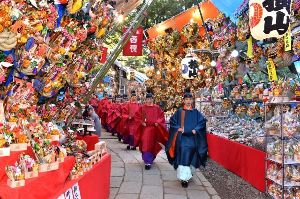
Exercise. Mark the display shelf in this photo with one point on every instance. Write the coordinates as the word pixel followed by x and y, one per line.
pixel 286 184
pixel 280 162
pixel 284 146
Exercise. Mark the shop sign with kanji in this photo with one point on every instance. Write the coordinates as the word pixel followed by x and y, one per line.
pixel 134 47
pixel 269 18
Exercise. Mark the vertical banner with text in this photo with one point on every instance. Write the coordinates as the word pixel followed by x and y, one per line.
pixel 103 55
pixel 134 46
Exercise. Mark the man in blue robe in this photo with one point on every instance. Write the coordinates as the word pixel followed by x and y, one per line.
pixel 187 145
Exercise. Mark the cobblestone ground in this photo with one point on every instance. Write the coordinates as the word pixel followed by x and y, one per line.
pixel 129 179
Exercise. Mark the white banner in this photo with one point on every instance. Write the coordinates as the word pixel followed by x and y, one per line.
pixel 72 193
pixel 269 18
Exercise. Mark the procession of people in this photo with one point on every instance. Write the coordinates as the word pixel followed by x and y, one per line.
pixel 143 126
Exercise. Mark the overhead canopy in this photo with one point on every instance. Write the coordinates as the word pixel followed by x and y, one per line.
pixel 209 11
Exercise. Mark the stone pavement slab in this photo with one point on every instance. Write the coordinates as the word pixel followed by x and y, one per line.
pixel 129 179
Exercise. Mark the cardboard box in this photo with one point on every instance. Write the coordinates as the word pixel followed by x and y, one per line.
pixel 4 151
pixel 49 167
pixel 14 184
pixel 18 147
pixel 32 174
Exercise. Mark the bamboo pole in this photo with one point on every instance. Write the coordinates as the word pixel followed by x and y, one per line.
pixel 114 55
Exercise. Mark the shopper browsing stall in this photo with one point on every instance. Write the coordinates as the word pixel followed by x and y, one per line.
pixel 150 130
pixel 187 145
pixel 95 118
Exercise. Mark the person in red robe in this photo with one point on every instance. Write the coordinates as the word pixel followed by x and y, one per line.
pixel 128 113
pixel 150 131
pixel 100 106
pixel 120 126
pixel 114 115
pixel 94 101
pixel 103 107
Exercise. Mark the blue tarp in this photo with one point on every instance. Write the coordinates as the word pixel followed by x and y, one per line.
pixel 228 7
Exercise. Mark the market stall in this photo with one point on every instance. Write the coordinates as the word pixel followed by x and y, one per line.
pixel 48 50
pixel 236 65
pixel 93 184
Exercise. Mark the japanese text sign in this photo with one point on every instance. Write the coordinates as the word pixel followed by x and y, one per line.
pixel 134 47
pixel 269 18
pixel 190 67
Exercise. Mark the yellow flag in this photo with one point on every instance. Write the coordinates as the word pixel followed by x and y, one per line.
pixel 250 47
pixel 271 70
pixel 288 40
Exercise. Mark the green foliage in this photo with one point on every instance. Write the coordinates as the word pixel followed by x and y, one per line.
pixel 159 11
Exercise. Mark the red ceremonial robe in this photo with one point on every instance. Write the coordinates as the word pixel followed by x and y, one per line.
pixel 105 110
pixel 148 137
pixel 114 116
pixel 100 111
pixel 128 111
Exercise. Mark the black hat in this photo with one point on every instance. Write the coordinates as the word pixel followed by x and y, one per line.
pixel 119 97
pixel 187 93
pixel 133 93
pixel 149 94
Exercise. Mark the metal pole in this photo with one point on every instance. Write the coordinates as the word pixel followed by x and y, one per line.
pixel 203 23
pixel 114 55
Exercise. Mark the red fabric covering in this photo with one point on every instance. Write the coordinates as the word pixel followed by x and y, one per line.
pixel 95 184
pixel 90 140
pixel 244 161
pixel 148 137
pixel 44 186
pixel 11 160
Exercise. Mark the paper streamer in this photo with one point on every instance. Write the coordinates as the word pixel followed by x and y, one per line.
pixel 271 70
pixel 250 47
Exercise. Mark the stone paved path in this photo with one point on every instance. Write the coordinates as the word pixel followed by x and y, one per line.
pixel 129 179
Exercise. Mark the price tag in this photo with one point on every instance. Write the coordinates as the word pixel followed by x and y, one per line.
pixel 69 194
pixel 76 191
pixel 62 196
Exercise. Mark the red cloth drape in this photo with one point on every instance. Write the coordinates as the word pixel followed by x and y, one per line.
pixel 90 140
pixel 94 184
pixel 47 184
pixel 244 161
pixel 11 160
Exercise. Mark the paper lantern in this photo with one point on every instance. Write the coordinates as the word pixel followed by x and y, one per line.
pixel 189 67
pixel 269 18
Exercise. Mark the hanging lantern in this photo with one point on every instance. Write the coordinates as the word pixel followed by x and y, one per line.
pixel 189 67
pixel 268 19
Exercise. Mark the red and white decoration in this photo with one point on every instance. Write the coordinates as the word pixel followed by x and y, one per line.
pixel 134 46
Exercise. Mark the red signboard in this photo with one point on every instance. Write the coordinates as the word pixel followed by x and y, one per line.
pixel 134 46
pixel 103 55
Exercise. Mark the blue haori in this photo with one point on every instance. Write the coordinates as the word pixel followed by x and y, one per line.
pixel 190 149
